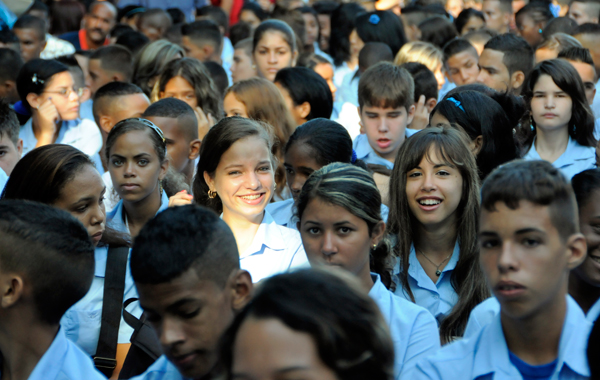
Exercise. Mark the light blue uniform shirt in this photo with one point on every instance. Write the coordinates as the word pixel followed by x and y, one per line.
pixel 65 361
pixel 438 298
pixel 3 180
pixel 575 159
pixel 414 331
pixel 275 249
pixel 82 134
pixel 364 150
pixel 283 213
pixel 161 369
pixel 485 354
pixel 81 323
pixel 594 312
pixel 115 216
pixel 348 91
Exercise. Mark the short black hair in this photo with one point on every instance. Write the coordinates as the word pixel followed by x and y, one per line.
pixel 537 182
pixel 455 46
pixel 202 31
pixel 425 82
pixel 373 53
pixel 325 7
pixel 218 75
pixel 588 28
pixel 203 242
pixel 520 54
pixel 11 63
pixel 464 16
pixel 256 9
pixel 177 15
pixel 108 93
pixel 51 250
pixel 239 32
pixel 304 85
pixel 437 30
pixel 115 58
pixel 559 25
pixel 577 54
pixel 134 41
pixel 120 29
pixel 39 6
pixel 217 14
pixel 175 109
pixel 7 36
pixel 538 10
pixel 9 124
pixel 31 22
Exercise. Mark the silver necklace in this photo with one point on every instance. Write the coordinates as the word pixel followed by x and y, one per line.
pixel 438 272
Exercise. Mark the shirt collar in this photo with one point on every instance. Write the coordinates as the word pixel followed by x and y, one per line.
pixel 100 256
pixel 115 216
pixel 83 42
pixel 378 288
pixel 574 152
pixel 53 359
pixel 363 148
pixel 267 235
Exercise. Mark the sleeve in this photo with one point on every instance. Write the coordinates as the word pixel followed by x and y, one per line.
pixel 424 341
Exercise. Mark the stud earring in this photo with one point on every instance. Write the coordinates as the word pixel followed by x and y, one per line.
pixel 374 247
pixel 540 30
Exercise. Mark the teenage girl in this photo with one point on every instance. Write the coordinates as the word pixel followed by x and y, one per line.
pixel 64 177
pixel 340 224
pixel 434 218
pixel 136 153
pixel 235 177
pixel 560 126
pixel 273 48
pixel 48 92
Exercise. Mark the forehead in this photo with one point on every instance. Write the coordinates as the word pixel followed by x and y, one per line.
pixel 320 211
pixel 586 71
pixel 168 125
pixel 382 110
pixel 462 57
pixel 85 180
pixel 28 34
pixel 246 149
pixel 133 143
pixel 545 82
pixel 274 38
pixel 527 215
pixel 492 58
pixel 301 154
pixel 491 5
pixel 102 10
pixel 63 79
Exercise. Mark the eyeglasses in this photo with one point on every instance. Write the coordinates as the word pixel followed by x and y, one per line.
pixel 145 122
pixel 66 92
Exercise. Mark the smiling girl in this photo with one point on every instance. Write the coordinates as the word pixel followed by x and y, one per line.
pixel 434 195
pixel 560 127
pixel 236 179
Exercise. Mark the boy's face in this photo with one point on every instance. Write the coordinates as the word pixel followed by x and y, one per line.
pixel 525 261
pixel 589 220
pixel 385 128
pixel 495 18
pixel 588 77
pixel 10 153
pixel 493 73
pixel 189 315
pixel 583 13
pixel 178 146
pixel 98 76
pixel 462 67
pixel 32 44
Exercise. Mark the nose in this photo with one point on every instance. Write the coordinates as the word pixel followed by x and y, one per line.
pixel 550 102
pixel 383 125
pixel 98 215
pixel 428 184
pixel 328 248
pixel 481 77
pixel 170 333
pixel 272 57
pixel 129 170
pixel 296 184
pixel 73 95
pixel 252 181
pixel 507 259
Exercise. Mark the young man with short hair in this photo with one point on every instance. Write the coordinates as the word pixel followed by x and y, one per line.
pixel 498 15
pixel 505 62
pixel 110 64
pixel 529 242
pixel 202 40
pixel 584 11
pixel 385 105
pixel 31 32
pixel 460 62
pixel 186 268
pixel 46 266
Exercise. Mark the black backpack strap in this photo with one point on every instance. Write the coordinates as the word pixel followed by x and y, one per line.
pixel 114 287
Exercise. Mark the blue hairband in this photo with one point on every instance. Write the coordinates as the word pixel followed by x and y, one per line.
pixel 456 103
pixel 354 157
pixel 374 19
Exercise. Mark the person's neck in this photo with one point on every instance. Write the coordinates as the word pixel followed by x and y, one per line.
pixel 35 125
pixel 138 213
pixel 584 294
pixel 352 63
pixel 437 241
pixel 535 339
pixel 244 229
pixel 22 346
pixel 92 45
pixel 365 278
pixel 551 144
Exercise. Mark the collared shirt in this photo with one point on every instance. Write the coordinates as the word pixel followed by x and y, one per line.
pixel 364 150
pixel 414 331
pixel 596 103
pixel 438 298
pixel 575 159
pixel 161 369
pixel 594 312
pixel 116 217
pixel 56 47
pixel 339 72
pixel 318 51
pixel 275 249
pixel 283 213
pixel 82 134
pixel 81 323
pixel 485 355
pixel 3 180
pixel 348 91
pixel 65 361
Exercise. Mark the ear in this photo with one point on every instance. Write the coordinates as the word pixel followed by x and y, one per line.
pixel 517 79
pixel 411 114
pixel 106 123
pixel 209 181
pixel 33 100
pixel 20 147
pixel 12 290
pixel 118 77
pixel 303 110
pixel 476 145
pixel 430 104
pixel 377 233
pixel 194 150
pixel 241 288
pixel 576 250
pixel 208 50
pixel 164 167
pixel 294 58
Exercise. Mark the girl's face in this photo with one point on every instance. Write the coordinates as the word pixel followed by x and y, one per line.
pixel 242 67
pixel 333 236
pixel 61 88
pixel 311 25
pixel 233 107
pixel 589 222
pixel 267 349
pixel 181 89
pixel 529 30
pixel 135 167
pixel 356 44
pixel 299 163
pixel 272 54
pixel 474 23
pixel 550 106
pixel 250 18
pixel 83 197
pixel 244 178
pixel 325 70
pixel 434 191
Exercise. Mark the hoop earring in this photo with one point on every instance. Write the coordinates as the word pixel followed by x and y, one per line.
pixel 212 194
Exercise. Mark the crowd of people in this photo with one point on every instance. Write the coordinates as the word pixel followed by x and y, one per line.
pixel 299 189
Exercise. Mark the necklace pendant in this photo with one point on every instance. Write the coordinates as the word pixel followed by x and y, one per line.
pixel 438 272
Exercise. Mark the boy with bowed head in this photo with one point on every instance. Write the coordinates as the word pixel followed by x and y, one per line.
pixel 190 287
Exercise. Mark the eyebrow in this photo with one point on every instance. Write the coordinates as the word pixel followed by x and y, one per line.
pixel 436 166
pixel 180 303
pixel 243 375
pixel 91 197
pixel 136 156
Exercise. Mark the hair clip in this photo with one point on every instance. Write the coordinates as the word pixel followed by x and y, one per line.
pixel 36 80
pixel 374 19
pixel 354 157
pixel 456 103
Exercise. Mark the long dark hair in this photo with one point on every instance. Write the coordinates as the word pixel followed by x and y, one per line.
pixel 339 42
pixel 42 174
